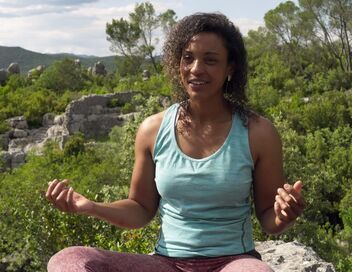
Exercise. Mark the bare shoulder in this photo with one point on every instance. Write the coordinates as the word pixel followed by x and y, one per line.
pixel 260 126
pixel 149 128
pixel 152 123
pixel 263 135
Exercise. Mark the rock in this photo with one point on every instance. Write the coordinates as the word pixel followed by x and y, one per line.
pixel 90 71
pixel 292 257
pixel 18 144
pixel 19 133
pixel 48 119
pixel 5 161
pixel 99 69
pixel 35 72
pixel 145 75
pixel 17 158
pixel 59 119
pixel 91 115
pixel 18 122
pixel 14 68
pixel 40 68
pixel 77 62
pixel 3 76
pixel 31 74
pixel 55 132
pixel 4 141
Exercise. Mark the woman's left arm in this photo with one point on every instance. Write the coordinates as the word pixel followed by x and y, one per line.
pixel 277 204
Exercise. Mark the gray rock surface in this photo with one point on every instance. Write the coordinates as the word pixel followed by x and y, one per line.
pixel 292 257
pixel 3 75
pixel 99 69
pixel 35 72
pixel 91 115
pixel 18 122
pixel 14 68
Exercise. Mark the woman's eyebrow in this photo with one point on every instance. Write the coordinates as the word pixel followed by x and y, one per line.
pixel 206 53
pixel 212 53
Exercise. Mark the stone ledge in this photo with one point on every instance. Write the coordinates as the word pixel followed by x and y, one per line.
pixel 292 257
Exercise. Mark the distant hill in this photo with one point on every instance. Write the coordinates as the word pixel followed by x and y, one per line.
pixel 29 59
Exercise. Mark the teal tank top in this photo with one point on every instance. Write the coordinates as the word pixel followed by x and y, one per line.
pixel 204 204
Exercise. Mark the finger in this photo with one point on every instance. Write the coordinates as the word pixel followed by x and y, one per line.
pixel 66 181
pixel 69 200
pixel 280 213
pixel 60 201
pixel 57 190
pixel 293 203
pixel 298 186
pixel 296 194
pixel 277 208
pixel 286 209
pixel 286 196
pixel 52 185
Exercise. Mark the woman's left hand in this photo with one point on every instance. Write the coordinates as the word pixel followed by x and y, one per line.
pixel 289 202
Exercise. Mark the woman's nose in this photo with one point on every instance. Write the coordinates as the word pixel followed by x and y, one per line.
pixel 197 67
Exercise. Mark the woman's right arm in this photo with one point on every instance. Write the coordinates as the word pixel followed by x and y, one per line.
pixel 140 207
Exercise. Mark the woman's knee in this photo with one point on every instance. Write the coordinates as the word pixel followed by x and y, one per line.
pixel 247 264
pixel 71 259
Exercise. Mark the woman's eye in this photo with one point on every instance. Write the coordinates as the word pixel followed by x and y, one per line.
pixel 187 58
pixel 210 61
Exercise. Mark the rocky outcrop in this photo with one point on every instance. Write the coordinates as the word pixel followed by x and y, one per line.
pixel 92 115
pixel 35 72
pixel 292 257
pixel 14 68
pixel 99 69
pixel 3 75
pixel 145 75
pixel 95 115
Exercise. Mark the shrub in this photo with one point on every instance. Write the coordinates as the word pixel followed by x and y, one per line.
pixel 62 75
pixel 74 145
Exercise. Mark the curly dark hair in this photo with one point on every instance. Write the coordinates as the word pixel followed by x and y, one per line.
pixel 178 39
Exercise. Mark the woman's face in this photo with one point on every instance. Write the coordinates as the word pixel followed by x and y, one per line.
pixel 204 66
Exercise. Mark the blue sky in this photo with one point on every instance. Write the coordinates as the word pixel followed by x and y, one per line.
pixel 78 26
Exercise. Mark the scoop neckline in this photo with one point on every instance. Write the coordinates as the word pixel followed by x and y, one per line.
pixel 211 156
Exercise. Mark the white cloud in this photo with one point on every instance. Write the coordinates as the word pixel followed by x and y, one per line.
pixel 75 26
pixel 37 7
pixel 25 3
pixel 245 24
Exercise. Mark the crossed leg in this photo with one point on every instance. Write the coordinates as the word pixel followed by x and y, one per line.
pixel 88 259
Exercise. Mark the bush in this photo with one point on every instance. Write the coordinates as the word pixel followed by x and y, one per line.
pixel 61 76
pixel 32 230
pixel 74 145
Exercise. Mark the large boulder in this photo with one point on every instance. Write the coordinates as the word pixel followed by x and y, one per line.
pixel 3 75
pixel 99 69
pixel 145 75
pixel 18 122
pixel 292 257
pixel 35 72
pixel 14 68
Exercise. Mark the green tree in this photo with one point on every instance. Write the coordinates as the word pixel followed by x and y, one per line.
pixel 292 30
pixel 62 75
pixel 332 21
pixel 135 38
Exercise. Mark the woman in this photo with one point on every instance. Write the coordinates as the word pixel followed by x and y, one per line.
pixel 196 162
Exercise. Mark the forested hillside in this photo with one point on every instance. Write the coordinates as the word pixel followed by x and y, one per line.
pixel 300 77
pixel 29 59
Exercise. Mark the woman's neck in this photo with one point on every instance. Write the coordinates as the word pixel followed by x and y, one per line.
pixel 210 111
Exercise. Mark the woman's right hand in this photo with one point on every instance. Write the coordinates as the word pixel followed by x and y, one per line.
pixel 66 199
